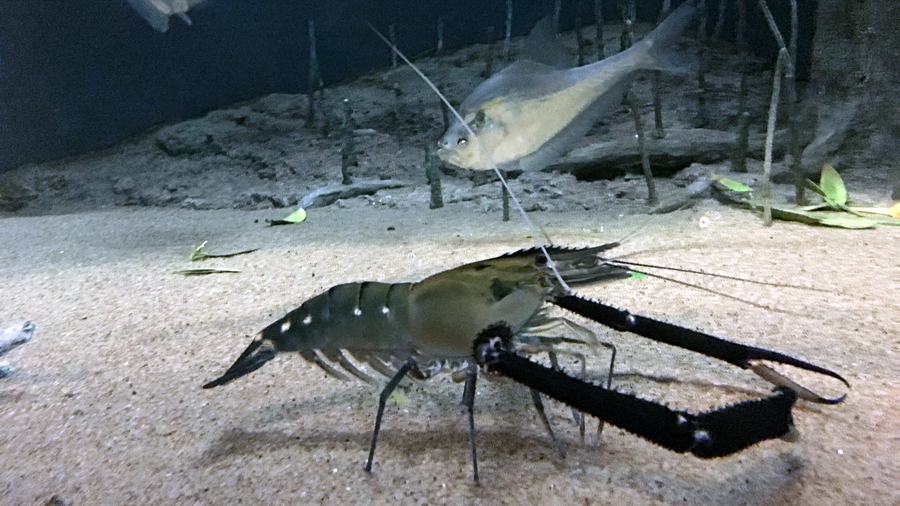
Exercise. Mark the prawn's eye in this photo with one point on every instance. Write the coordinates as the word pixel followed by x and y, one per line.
pixel 462 141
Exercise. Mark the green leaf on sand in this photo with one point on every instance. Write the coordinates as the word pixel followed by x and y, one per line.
pixel 204 272
pixel 731 184
pixel 853 222
pixel 832 186
pixel 197 253
pixel 297 216
pixel 398 399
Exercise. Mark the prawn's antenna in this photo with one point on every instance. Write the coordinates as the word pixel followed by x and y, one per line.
pixel 530 224
pixel 625 264
pixel 639 228
pixel 647 222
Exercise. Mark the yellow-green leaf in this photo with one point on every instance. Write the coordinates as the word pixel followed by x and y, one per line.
pixel 196 252
pixel 398 399
pixel 794 215
pixel 204 272
pixel 731 184
pixel 832 186
pixel 893 211
pixel 297 216
pixel 852 222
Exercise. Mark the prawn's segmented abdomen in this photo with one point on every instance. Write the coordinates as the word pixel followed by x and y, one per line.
pixel 370 320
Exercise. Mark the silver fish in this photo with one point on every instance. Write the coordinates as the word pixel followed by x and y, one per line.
pixel 531 112
pixel 158 12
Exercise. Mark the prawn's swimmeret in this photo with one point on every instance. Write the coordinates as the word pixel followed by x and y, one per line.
pixel 532 112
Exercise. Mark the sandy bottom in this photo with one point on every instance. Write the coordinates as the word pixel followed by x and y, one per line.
pixel 106 405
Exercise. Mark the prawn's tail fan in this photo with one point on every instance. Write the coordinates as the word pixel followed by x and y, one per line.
pixel 255 356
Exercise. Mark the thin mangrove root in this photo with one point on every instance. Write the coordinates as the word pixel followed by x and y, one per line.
pixel 791 81
pixel 642 147
pixel 766 187
pixel 507 38
pixel 313 78
pixel 598 20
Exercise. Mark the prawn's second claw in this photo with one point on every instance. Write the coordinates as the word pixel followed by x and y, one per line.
pixel 709 434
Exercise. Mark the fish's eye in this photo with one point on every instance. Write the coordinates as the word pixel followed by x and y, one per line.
pixel 462 141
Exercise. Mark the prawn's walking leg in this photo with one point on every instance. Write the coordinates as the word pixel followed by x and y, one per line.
pixel 577 415
pixel 539 407
pixel 382 400
pixel 469 403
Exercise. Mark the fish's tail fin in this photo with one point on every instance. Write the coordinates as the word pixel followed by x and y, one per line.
pixel 661 53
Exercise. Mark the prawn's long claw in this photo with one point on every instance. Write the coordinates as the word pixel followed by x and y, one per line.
pixel 741 355
pixel 255 356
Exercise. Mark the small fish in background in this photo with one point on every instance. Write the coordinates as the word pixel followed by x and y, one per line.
pixel 158 12
pixel 535 110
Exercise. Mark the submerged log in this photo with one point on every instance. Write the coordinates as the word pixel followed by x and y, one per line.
pixel 330 194
pixel 680 148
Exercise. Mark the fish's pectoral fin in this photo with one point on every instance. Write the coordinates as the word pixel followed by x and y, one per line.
pixel 478 122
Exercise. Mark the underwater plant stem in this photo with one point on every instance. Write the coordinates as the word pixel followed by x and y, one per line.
pixel 507 38
pixel 791 81
pixel 440 36
pixel 557 8
pixel 489 56
pixel 794 125
pixel 739 159
pixel 348 147
pixel 701 67
pixel 598 19
pixel 579 39
pixel 772 26
pixel 434 181
pixel 664 11
pixel 313 77
pixel 392 33
pixel 720 20
pixel 445 115
pixel 660 131
pixel 642 147
pixel 397 111
pixel 795 27
pixel 766 187
pixel 505 201
pixel 431 164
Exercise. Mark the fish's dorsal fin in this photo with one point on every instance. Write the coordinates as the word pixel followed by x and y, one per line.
pixel 543 46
